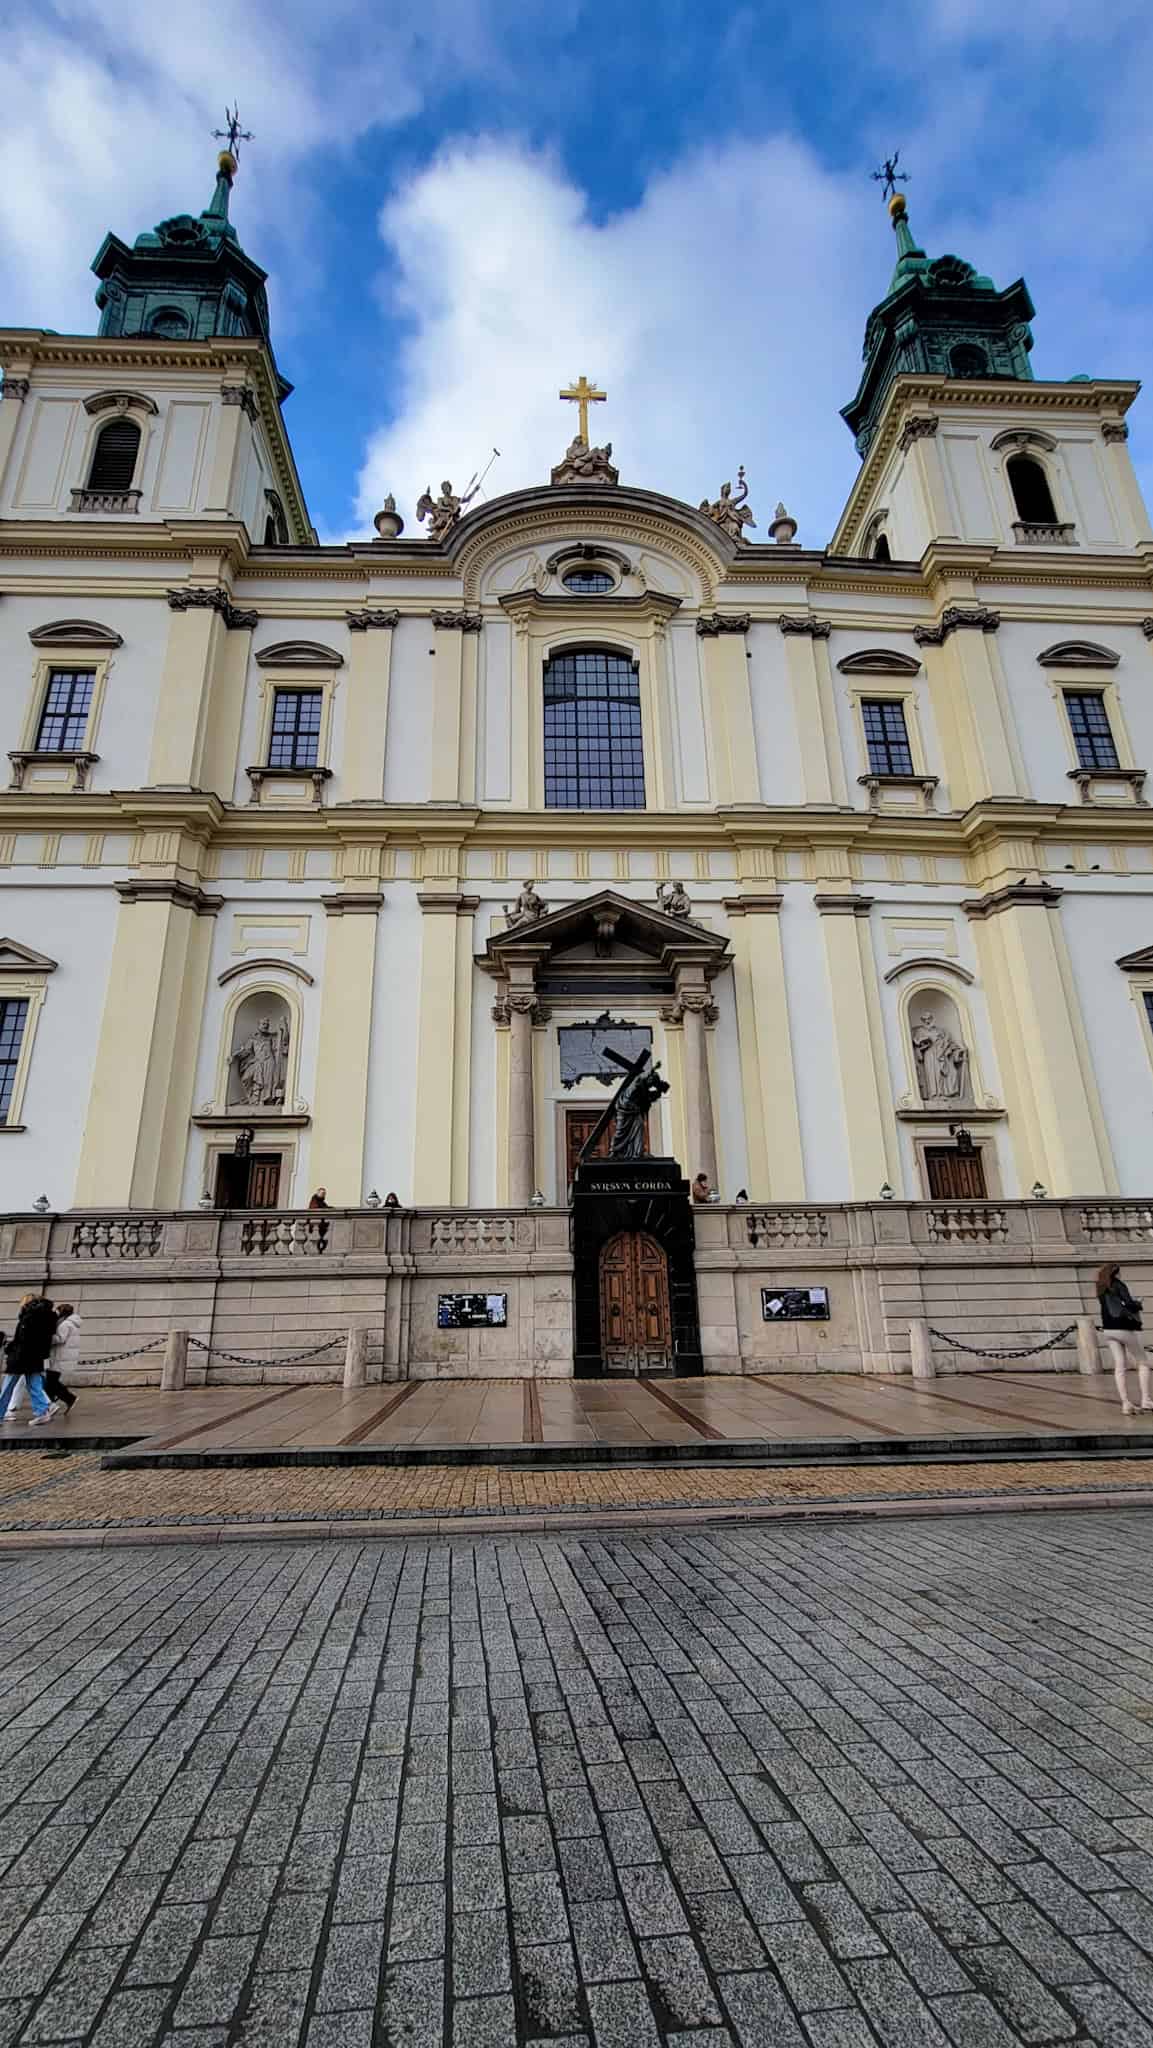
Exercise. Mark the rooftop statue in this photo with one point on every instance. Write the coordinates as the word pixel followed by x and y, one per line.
pixel 584 465
pixel 441 513
pixel 728 512
pixel 527 908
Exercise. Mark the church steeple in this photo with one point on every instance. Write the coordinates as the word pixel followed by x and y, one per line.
pixel 188 279
pixel 940 317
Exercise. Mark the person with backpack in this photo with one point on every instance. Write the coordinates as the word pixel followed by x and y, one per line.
pixel 1120 1331
pixel 28 1353
pixel 65 1352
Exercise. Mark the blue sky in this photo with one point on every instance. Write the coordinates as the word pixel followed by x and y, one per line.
pixel 463 203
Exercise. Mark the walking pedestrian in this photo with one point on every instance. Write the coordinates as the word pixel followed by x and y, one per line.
pixel 65 1352
pixel 28 1352
pixel 1120 1328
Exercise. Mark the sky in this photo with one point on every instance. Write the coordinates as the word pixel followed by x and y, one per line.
pixel 463 204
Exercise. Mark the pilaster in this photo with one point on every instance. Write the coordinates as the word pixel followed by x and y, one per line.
pixel 967 678
pixel 366 706
pixel 814 709
pixel 1055 1118
pixel 866 1093
pixel 768 1074
pixel 202 613
pixel 724 644
pixel 449 629
pixel 136 1130
pixel 13 394
pixel 441 1093
pixel 340 1111
pixel 231 415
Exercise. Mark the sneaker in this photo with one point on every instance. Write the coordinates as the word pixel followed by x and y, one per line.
pixel 42 1421
pixel 1127 1408
pixel 54 1408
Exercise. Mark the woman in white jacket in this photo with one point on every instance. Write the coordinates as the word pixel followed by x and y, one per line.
pixel 65 1352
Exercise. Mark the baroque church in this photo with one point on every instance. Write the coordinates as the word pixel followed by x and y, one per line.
pixel 345 867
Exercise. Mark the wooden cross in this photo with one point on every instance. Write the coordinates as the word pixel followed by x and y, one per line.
pixel 584 394
pixel 631 1069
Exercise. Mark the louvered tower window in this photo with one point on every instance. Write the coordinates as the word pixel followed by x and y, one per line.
pixel 114 456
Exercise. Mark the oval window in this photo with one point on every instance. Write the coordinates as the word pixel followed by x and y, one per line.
pixel 588 582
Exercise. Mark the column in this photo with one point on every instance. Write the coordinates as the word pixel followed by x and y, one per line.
pixel 340 1111
pixel 13 392
pixel 201 615
pixel 870 1126
pixel 693 1008
pixel 919 433
pixel 730 706
pixel 521 1102
pixel 1055 1117
pixel 366 706
pixel 237 403
pixel 136 1131
pixel 768 1076
pixel 814 709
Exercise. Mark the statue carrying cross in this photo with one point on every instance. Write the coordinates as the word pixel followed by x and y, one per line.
pixel 584 394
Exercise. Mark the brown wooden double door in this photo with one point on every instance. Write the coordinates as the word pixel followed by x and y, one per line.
pixel 954 1176
pixel 636 1318
pixel 252 1183
pixel 579 1125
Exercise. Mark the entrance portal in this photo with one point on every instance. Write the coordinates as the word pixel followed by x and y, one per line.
pixel 955 1176
pixel 636 1314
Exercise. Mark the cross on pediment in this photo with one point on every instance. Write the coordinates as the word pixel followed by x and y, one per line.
pixel 581 392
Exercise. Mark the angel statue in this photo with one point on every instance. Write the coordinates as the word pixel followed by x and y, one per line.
pixel 441 513
pixel 728 512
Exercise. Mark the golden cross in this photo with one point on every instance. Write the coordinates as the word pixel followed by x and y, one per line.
pixel 583 394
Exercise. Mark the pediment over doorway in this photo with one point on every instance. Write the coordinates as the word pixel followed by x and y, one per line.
pixel 607 938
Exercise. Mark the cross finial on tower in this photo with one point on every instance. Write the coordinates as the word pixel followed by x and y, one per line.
pixel 584 394
pixel 234 134
pixel 889 176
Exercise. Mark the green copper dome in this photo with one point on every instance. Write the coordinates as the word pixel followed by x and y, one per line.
pixel 940 317
pixel 187 279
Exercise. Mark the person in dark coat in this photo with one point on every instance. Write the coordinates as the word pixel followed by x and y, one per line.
pixel 28 1352
pixel 1121 1331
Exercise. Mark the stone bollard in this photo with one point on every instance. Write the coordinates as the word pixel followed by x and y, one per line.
pixel 356 1359
pixel 921 1351
pixel 175 1367
pixel 1088 1349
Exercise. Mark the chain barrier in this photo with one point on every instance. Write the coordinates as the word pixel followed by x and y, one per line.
pixel 1030 1350
pixel 278 1358
pixel 115 1357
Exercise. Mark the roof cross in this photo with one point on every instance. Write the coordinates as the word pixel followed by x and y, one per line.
pixel 584 394
pixel 889 176
pixel 234 134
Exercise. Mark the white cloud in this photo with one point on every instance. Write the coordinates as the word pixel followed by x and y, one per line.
pixel 723 313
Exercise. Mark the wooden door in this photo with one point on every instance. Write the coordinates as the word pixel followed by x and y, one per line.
pixel 636 1321
pixel 578 1128
pixel 955 1176
pixel 252 1183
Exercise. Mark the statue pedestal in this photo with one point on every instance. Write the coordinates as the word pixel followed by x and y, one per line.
pixel 638 1211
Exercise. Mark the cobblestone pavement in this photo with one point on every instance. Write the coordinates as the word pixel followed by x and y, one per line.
pixel 814 1788
pixel 73 1493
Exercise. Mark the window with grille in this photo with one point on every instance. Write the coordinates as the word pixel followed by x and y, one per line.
pixel 13 1018
pixel 588 582
pixel 295 737
pixel 114 456
pixel 886 737
pixel 64 719
pixel 1089 723
pixel 593 755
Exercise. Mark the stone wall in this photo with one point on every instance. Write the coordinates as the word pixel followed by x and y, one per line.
pixel 267 1285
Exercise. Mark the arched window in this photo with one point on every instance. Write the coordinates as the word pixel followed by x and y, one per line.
pixel 593 755
pixel 967 360
pixel 171 321
pixel 275 524
pixel 1031 493
pixel 881 550
pixel 114 456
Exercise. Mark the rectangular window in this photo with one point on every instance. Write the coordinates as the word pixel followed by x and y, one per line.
pixel 64 719
pixel 886 737
pixel 1089 724
pixel 13 1017
pixel 593 750
pixel 295 738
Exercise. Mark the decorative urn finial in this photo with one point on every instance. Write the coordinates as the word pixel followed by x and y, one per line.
pixel 783 528
pixel 388 521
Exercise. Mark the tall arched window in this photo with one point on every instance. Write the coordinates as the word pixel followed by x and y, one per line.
pixel 593 755
pixel 1031 493
pixel 114 456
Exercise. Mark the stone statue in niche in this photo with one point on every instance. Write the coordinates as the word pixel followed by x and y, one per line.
pixel 527 908
pixel 942 1061
pixel 673 898
pixel 258 1066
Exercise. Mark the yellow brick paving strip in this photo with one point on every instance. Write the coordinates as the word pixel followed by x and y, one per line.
pixel 76 1493
pixel 25 1470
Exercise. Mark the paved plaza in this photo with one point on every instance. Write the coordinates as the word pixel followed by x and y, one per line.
pixel 807 1787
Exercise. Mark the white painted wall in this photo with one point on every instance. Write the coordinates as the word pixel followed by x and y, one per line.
pixel 74 925
pixel 815 1060
pixel 408 759
pixel 774 718
pixel 1101 925
pixel 123 737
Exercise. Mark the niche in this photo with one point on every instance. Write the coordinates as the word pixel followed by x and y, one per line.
pixel 941 1059
pixel 258 1055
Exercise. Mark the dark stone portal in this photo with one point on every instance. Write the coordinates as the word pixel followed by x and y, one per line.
pixel 650 1195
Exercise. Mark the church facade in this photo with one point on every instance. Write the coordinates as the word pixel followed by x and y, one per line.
pixel 341 866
